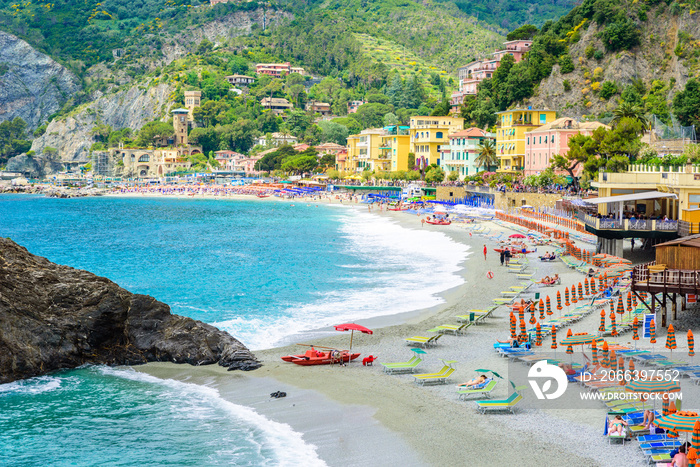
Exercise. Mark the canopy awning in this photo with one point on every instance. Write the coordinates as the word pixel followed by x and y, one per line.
pixel 632 197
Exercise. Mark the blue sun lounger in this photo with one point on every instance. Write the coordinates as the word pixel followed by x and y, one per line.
pixel 499 404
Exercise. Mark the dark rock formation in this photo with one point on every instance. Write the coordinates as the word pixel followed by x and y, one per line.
pixel 54 317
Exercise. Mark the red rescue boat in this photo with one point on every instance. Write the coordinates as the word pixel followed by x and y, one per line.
pixel 316 357
pixel 438 221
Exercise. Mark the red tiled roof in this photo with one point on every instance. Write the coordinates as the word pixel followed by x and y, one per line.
pixel 469 132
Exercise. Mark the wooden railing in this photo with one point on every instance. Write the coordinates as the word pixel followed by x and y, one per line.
pixel 671 280
pixel 628 224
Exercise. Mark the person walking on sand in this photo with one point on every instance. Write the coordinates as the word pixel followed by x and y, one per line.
pixel 485 250
pixel 503 256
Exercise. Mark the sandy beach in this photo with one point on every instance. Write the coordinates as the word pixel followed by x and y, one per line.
pixel 357 415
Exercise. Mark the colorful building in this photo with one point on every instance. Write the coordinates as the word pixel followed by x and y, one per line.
pixel 276 105
pixel 429 134
pixel 364 153
pixel 542 143
pixel 354 105
pixel 276 70
pixel 460 155
pixel 510 135
pixel 396 145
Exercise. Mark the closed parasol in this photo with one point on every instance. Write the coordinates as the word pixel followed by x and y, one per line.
pixel 513 326
pixel 549 306
pixel 671 338
pixel 538 335
pixel 559 300
pixel 691 343
pixel 554 337
pixel 566 296
pixel 594 352
pixel 652 332
pixel 601 328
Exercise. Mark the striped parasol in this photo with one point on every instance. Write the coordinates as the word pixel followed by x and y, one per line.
pixel 594 352
pixel 538 335
pixel 569 348
pixel 678 421
pixel 621 367
pixel 540 305
pixel 573 294
pixel 558 300
pixel 695 436
pixel 629 302
pixel 620 306
pixel 522 337
pixel 521 313
pixel 601 284
pixel 554 337
pixel 532 315
pixel 513 326
pixel 613 325
pixel 691 343
pixel 566 297
pixel 652 386
pixel 652 332
pixel 601 328
pixel 671 338
pixel 549 306
pixel 635 329
pixel 586 286
pixel 664 405
pixel 692 457
pixel 605 362
pixel 613 361
pixel 612 307
pixel 634 301
pixel 631 367
pixel 580 291
pixel 580 338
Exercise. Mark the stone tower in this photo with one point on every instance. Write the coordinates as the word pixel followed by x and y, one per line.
pixel 180 124
pixel 192 99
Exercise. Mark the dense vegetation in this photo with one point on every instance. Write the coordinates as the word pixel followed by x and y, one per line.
pixel 13 139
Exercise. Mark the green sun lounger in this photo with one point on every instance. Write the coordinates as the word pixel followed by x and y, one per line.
pixel 500 404
pixel 438 378
pixel 423 341
pixel 402 367
pixel 485 391
pixel 453 328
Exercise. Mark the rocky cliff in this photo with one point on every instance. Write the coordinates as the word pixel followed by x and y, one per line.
pixel 658 58
pixel 54 317
pixel 32 85
pixel 131 107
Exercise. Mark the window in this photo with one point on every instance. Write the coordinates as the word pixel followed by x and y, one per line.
pixel 528 140
pixel 545 140
pixel 438 135
pixel 540 140
pixel 693 201
pixel 543 119
pixel 144 158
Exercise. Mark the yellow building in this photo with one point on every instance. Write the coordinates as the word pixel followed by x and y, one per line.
pixel 364 151
pixel 429 134
pixel 510 135
pixel 396 149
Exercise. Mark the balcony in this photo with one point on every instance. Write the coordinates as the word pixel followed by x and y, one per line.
pixel 627 228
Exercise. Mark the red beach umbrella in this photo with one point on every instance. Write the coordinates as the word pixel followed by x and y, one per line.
pixel 569 348
pixel 629 302
pixel 558 300
pixel 532 316
pixel 586 286
pixel 523 332
pixel 605 363
pixel 635 329
pixel 352 327
pixel 601 284
pixel 620 306
pixel 521 314
pixel 549 306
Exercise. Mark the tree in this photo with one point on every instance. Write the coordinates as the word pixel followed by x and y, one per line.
pixel 686 104
pixel 411 161
pixel 390 119
pixel 273 160
pixel 524 32
pixel 333 132
pixel 621 34
pixel 300 164
pixel 207 138
pixel 487 157
pixel 327 161
pixel 442 109
pixel 152 131
pixel 453 176
pixel 631 111
pixel 371 115
pixel 435 175
pixel 13 138
pixel 395 91
pixel 238 136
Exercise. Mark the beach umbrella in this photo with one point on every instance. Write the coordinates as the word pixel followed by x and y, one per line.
pixel 601 285
pixel 621 367
pixel 678 421
pixel 532 313
pixel 652 386
pixel 652 332
pixel 664 405
pixel 573 294
pixel 540 305
pixel 634 301
pixel 566 296
pixel 691 343
pixel 620 306
pixel 594 352
pixel 558 300
pixel 554 337
pixel 512 326
pixel 629 302
pixel 580 291
pixel 671 338
pixel 695 437
pixel 549 306
pixel 352 327
pixel 523 332
pixel 538 335
pixel 635 330
pixel 692 457
pixel 586 286
pixel 569 348
pixel 605 362
pixel 581 338
pixel 601 328
pixel 613 361
pixel 613 325
pixel 517 235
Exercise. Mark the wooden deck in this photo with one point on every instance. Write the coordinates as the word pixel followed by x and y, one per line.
pixel 657 279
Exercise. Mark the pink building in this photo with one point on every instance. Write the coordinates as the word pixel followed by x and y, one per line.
pixel 276 69
pixel 228 159
pixel 354 105
pixel 553 138
pixel 469 76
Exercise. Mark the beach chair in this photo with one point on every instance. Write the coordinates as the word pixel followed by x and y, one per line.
pixel 484 391
pixel 452 328
pixel 402 367
pixel 423 341
pixel 499 404
pixel 436 378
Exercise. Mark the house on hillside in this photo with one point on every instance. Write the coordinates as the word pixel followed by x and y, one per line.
pixel 276 105
pixel 276 139
pixel 322 108
pixel 240 80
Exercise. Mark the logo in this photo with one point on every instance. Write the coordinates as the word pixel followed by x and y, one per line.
pixel 543 370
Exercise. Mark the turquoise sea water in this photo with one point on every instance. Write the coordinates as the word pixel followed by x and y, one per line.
pixel 264 271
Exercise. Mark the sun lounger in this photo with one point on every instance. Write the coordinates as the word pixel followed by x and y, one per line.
pixel 499 404
pixel 438 378
pixel 662 444
pixel 485 391
pixel 423 341
pixel 453 328
pixel 402 367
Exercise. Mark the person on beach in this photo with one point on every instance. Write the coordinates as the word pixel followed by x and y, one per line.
pixel 617 426
pixel 473 382
pixel 503 257
pixel 485 251
pixel 648 418
pixel 680 459
pixel 508 255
